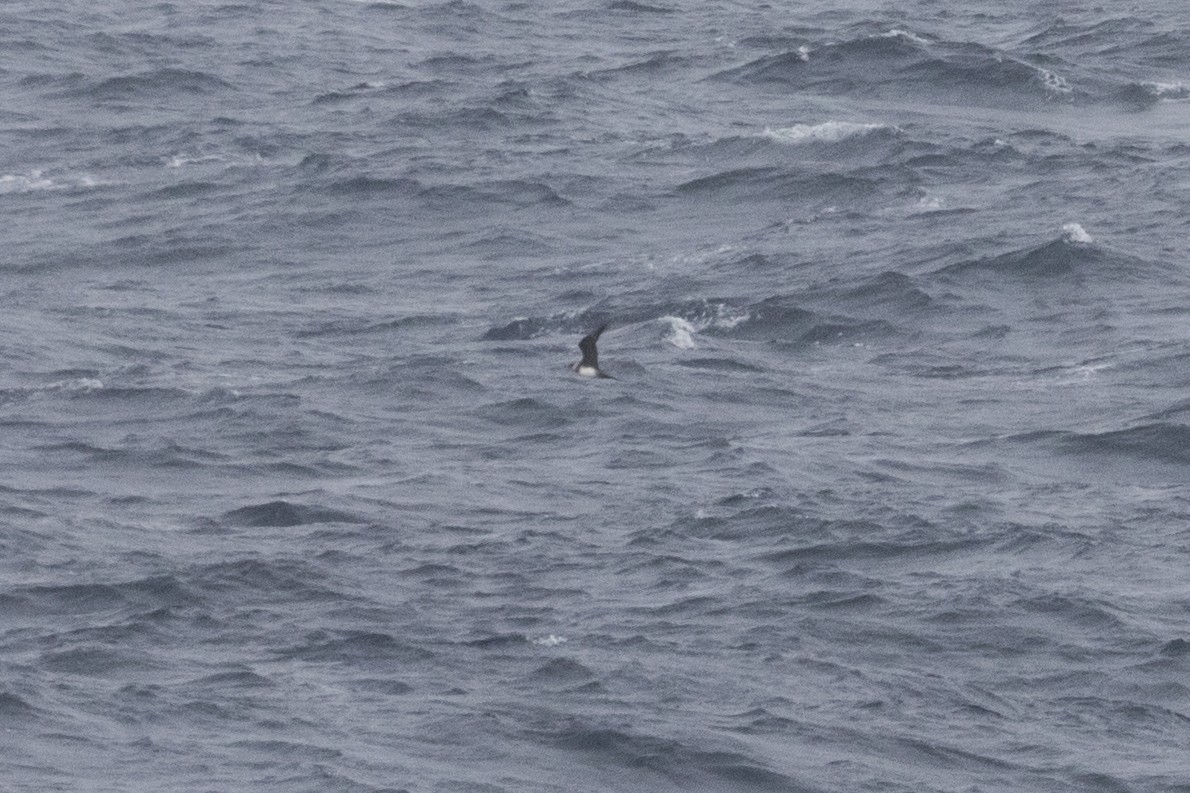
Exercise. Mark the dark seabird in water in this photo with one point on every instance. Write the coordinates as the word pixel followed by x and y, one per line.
pixel 589 365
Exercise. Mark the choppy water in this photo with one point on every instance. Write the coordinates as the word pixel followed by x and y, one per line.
pixel 889 494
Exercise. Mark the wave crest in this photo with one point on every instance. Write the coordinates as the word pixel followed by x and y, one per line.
pixel 899 61
pixel 1160 441
pixel 828 132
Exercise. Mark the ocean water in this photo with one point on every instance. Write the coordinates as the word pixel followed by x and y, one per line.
pixel 297 492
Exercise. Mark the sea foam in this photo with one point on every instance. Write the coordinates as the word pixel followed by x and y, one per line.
pixel 1073 232
pixel 826 132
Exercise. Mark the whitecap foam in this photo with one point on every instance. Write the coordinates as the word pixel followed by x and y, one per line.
pixel 1054 83
pixel 182 160
pixel 84 385
pixel 1073 232
pixel 550 641
pixel 186 159
pixel 683 330
pixel 25 183
pixel 681 333
pixel 826 132
pixel 897 33
pixel 719 315
pixel 1168 90
pixel 36 181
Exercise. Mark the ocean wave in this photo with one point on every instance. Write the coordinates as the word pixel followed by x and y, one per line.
pixel 900 62
pixel 688 763
pixel 415 88
pixel 284 513
pixel 994 76
pixel 790 185
pixel 1159 441
pixel 499 641
pixel 1073 255
pixel 480 118
pixel 183 190
pixel 386 6
pixel 15 709
pixel 562 671
pixel 365 185
pixel 845 545
pixel 784 319
pixel 1144 95
pixel 1177 410
pixel 679 322
pixel 165 83
pixel 144 594
pixel 517 193
pixel 1133 39
pixel 346 646
pixel 344 94
pixel 527 412
pixel 720 364
pixel 255 580
pixel 504 242
pixel 524 328
pixel 888 295
pixel 233 679
pixel 639 8
pixel 96 661
pixel 779 318
pixel 1072 609
pixel 459 198
pixel 656 64
pixel 356 326
pixel 165 454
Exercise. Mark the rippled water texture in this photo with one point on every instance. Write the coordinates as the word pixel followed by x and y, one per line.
pixel 297 492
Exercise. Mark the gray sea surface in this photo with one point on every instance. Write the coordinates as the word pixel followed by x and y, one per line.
pixel 889 492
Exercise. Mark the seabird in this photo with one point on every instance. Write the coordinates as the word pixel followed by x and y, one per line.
pixel 589 365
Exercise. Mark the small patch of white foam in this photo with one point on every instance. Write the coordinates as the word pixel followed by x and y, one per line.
pixel 897 33
pixel 681 333
pixel 1053 83
pixel 549 641
pixel 826 132
pixel 25 183
pixel 1078 373
pixel 682 330
pixel 182 160
pixel 1168 90
pixel 186 159
pixel 1089 370
pixel 1073 232
pixel 84 385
